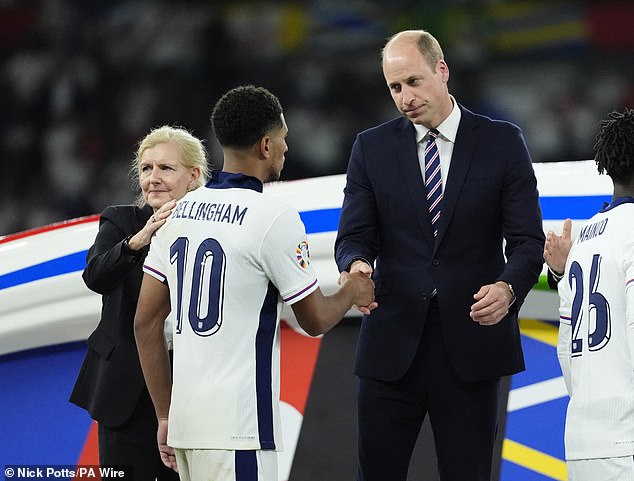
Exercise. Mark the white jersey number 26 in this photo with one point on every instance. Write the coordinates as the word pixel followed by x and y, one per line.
pixel 597 334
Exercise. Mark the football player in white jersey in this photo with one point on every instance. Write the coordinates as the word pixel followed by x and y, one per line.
pixel 596 332
pixel 227 258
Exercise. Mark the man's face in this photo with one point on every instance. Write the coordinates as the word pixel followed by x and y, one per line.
pixel 418 90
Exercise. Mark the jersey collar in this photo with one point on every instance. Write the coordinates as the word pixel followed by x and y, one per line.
pixel 616 202
pixel 226 180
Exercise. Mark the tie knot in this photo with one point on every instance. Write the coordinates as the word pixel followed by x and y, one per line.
pixel 433 133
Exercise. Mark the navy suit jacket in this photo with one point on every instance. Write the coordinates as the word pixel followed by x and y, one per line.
pixel 490 196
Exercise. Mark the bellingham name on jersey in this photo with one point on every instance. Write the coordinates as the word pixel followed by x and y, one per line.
pixel 212 212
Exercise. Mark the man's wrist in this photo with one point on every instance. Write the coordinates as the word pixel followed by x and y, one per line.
pixel 511 291
pixel 362 259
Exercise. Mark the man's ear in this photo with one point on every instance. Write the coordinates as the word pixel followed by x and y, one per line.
pixel 443 69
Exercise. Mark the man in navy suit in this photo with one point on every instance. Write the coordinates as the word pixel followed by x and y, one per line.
pixel 447 286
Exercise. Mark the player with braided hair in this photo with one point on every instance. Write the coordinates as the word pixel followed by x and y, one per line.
pixel 615 146
pixel 596 333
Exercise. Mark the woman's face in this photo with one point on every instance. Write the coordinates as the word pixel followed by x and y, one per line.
pixel 163 176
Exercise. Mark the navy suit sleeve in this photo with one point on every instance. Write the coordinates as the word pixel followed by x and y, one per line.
pixel 522 219
pixel 357 235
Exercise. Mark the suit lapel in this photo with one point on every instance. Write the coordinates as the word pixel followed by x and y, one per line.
pixel 466 140
pixel 407 154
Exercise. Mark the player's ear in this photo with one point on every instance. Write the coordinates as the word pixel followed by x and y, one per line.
pixel 265 146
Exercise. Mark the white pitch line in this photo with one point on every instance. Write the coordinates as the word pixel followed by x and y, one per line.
pixel 537 393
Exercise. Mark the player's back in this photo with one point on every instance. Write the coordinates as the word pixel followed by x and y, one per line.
pixel 600 421
pixel 222 253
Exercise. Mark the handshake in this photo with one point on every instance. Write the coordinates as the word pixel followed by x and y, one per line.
pixel 359 282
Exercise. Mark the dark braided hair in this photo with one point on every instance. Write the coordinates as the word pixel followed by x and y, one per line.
pixel 244 115
pixel 614 146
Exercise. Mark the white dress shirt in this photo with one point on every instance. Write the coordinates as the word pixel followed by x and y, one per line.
pixel 445 141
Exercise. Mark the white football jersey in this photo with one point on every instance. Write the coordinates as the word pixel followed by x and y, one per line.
pixel 230 255
pixel 596 335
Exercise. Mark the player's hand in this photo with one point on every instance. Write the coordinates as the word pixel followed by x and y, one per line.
pixel 167 453
pixel 492 304
pixel 556 248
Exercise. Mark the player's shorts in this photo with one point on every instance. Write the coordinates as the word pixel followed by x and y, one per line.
pixel 222 465
pixel 621 469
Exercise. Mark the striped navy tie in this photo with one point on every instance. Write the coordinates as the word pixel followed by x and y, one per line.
pixel 433 179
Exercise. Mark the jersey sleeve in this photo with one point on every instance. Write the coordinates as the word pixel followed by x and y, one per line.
pixel 564 341
pixel 153 264
pixel 629 292
pixel 286 257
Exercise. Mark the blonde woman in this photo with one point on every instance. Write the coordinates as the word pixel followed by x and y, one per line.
pixel 169 162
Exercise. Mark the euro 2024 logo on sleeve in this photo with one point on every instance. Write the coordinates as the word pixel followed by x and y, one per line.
pixel 303 255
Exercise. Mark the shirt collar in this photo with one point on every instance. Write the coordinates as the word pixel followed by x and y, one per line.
pixel 448 128
pixel 227 180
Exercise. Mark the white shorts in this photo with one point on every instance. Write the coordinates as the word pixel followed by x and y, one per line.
pixel 222 465
pixel 601 469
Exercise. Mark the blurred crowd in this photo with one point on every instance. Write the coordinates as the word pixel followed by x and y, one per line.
pixel 82 82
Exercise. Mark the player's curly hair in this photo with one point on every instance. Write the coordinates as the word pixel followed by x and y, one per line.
pixel 614 146
pixel 244 115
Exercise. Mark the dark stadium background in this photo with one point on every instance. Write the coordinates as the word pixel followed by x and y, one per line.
pixel 82 82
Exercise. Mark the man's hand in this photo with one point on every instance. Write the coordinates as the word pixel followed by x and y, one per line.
pixel 167 453
pixel 556 248
pixel 358 266
pixel 492 303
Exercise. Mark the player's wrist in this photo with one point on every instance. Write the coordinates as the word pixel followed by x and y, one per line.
pixel 556 274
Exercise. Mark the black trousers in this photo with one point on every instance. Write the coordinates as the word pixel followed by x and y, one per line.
pixel 133 446
pixel 463 416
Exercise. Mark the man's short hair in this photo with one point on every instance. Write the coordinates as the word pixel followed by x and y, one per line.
pixel 244 115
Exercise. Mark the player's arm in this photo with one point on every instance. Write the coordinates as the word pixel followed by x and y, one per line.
pixel 564 340
pixel 563 352
pixel 629 297
pixel 152 309
pixel 317 313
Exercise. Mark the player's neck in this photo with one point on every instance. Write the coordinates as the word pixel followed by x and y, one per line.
pixel 623 189
pixel 242 165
